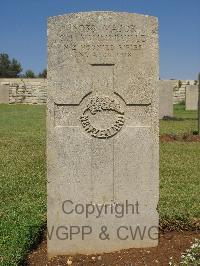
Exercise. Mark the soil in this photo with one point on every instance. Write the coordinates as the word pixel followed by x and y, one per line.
pixel 171 244
pixel 167 138
pixel 184 137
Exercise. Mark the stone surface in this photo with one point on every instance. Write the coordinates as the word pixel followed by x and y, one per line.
pixel 103 146
pixel 165 98
pixel 4 93
pixel 191 98
pixel 179 89
pixel 28 91
pixel 38 90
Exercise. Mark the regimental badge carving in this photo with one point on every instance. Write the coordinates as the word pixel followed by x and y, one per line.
pixel 103 117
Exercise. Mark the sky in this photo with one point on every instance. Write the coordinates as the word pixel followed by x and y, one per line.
pixel 23 26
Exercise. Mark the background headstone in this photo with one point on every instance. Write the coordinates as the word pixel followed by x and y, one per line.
pixel 165 98
pixel 191 97
pixel 103 145
pixel 4 93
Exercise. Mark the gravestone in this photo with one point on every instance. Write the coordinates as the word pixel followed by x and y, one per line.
pixel 4 93
pixel 103 145
pixel 191 97
pixel 165 98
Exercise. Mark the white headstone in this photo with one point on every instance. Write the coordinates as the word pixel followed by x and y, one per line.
pixel 165 98
pixel 4 93
pixel 103 145
pixel 191 97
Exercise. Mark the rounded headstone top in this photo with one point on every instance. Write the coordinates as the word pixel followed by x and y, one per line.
pixel 101 13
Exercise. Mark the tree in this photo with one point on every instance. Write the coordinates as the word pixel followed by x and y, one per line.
pixel 29 74
pixel 9 68
pixel 15 68
pixel 43 74
pixel 4 65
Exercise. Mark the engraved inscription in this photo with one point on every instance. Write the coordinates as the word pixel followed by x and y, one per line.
pixel 102 105
pixel 108 49
pixel 103 31
pixel 111 40
pixel 90 41
pixel 106 28
pixel 98 104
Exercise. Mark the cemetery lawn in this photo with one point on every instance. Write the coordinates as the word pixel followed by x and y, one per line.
pixel 23 178
pixel 186 122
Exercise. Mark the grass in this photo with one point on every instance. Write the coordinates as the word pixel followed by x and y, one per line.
pixel 179 172
pixel 23 184
pixel 187 124
pixel 23 178
pixel 179 184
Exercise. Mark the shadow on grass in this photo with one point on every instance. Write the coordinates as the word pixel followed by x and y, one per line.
pixel 36 236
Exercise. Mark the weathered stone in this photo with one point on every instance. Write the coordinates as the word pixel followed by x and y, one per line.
pixel 165 98
pixel 4 93
pixel 26 90
pixel 4 83
pixel 38 87
pixel 191 98
pixel 102 129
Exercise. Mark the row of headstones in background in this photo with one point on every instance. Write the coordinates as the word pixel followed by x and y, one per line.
pixel 165 97
pixel 36 94
pixel 166 88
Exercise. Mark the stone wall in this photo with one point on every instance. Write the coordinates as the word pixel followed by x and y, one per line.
pixel 179 89
pixel 34 91
pixel 26 91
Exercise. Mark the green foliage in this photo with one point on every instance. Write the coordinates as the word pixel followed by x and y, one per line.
pixel 43 74
pixel 29 74
pixel 9 68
